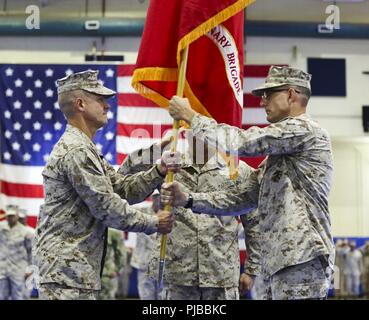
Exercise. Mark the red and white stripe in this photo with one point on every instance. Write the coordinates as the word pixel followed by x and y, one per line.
pixel 22 186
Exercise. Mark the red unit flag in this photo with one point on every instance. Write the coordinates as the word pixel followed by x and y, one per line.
pixel 213 30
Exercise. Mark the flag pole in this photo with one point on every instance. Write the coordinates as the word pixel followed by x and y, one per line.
pixel 173 148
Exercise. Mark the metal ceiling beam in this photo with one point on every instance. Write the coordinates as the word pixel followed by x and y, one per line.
pixel 73 27
pixel 110 27
pixel 305 30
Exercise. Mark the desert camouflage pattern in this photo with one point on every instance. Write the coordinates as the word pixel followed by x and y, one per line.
pixel 15 250
pixel 85 80
pixel 53 291
pixel 280 76
pixel 176 292
pixel 295 181
pixel 83 196
pixel 15 257
pixel 250 222
pixel 309 280
pixel 202 250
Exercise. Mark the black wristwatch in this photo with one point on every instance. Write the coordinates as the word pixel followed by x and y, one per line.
pixel 189 203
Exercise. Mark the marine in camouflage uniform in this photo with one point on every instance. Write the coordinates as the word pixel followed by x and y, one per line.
pixel 84 195
pixel 22 213
pixel 15 255
pixel 342 247
pixel 147 286
pixel 297 251
pixel 365 252
pixel 115 261
pixel 202 258
pixel 27 290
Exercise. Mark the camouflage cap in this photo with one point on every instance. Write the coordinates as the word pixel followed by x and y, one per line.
pixel 11 210
pixel 85 80
pixel 280 76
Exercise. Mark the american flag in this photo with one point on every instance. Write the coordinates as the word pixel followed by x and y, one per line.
pixel 31 123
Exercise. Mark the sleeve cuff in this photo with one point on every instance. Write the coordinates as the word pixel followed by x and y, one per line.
pixel 152 224
pixel 155 176
pixel 199 121
pixel 195 120
pixel 197 206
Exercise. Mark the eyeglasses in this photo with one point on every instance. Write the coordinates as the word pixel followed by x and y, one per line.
pixel 268 93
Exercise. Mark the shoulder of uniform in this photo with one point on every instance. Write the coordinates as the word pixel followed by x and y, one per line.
pixel 296 122
pixel 81 151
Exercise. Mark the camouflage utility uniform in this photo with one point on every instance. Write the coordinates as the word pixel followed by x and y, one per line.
pixel 202 260
pixel 15 257
pixel 83 196
pixel 297 250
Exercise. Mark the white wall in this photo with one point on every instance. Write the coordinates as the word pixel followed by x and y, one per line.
pixel 349 200
pixel 340 116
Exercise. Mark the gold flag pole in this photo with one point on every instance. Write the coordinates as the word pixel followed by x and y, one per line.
pixel 173 148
